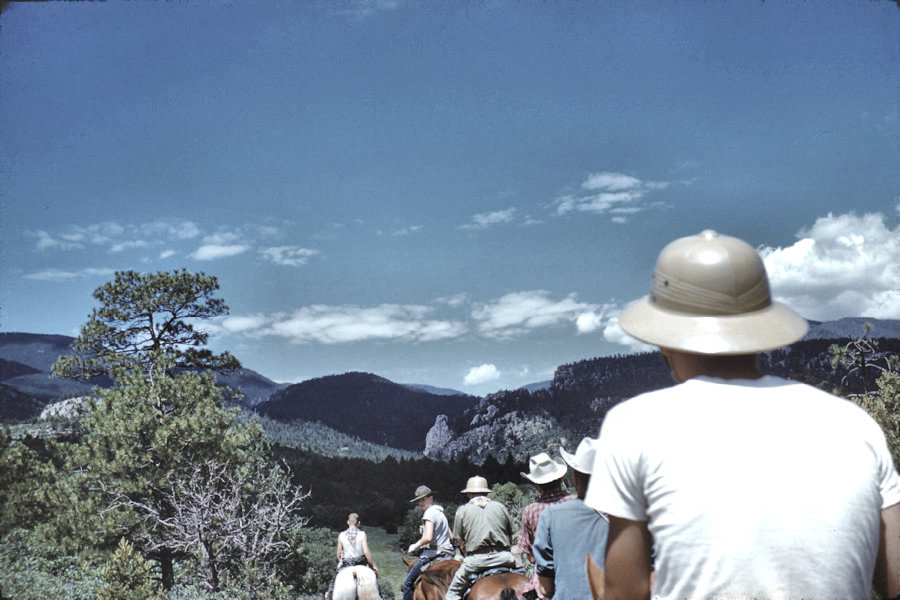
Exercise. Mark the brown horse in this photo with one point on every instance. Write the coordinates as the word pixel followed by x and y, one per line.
pixel 490 587
pixel 435 580
pixel 596 578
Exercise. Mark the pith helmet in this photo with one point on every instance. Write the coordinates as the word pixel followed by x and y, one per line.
pixel 476 485
pixel 710 295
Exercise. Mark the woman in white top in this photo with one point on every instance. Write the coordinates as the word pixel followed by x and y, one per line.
pixel 352 549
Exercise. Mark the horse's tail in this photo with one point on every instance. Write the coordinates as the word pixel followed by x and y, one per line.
pixel 366 584
pixel 508 594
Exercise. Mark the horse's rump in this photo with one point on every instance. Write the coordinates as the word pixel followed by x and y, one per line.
pixel 356 583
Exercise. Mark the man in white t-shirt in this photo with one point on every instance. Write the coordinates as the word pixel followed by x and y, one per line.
pixel 747 486
pixel 435 541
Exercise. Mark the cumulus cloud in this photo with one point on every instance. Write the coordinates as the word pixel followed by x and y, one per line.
pixel 519 312
pixel 612 332
pixel 844 265
pixel 485 220
pixel 481 374
pixel 217 251
pixel 344 324
pixel 60 275
pixel 616 194
pixel 289 256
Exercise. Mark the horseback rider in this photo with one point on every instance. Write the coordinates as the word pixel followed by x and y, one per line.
pixel 435 541
pixel 352 549
pixel 546 475
pixel 484 530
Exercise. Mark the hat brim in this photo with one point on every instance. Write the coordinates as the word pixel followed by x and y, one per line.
pixel 559 473
pixel 572 461
pixel 772 327
pixel 417 498
pixel 476 490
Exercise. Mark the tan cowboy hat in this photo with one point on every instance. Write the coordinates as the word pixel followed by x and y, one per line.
pixel 710 295
pixel 421 492
pixel 583 459
pixel 476 485
pixel 543 469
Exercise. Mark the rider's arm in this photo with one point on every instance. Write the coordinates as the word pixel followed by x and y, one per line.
pixel 365 548
pixel 627 560
pixel 427 536
pixel 887 567
pixel 340 549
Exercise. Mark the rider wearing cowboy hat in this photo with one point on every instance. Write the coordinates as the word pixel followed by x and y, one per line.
pixel 546 474
pixel 484 530
pixel 751 486
pixel 568 531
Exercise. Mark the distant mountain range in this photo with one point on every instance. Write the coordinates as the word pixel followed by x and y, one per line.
pixel 26 386
pixel 366 406
pixel 443 423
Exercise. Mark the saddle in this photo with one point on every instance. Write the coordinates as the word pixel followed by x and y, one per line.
pixel 474 577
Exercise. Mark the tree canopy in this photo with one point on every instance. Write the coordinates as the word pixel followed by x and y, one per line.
pixel 143 318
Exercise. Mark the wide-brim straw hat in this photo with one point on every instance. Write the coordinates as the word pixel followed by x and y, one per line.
pixel 583 459
pixel 421 492
pixel 710 295
pixel 476 485
pixel 543 469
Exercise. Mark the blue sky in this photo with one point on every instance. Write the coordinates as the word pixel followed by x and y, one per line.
pixel 461 194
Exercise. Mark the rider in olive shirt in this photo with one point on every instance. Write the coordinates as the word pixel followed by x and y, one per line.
pixel 485 530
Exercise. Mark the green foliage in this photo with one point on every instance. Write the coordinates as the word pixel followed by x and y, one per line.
pixel 326 441
pixel 884 406
pixel 128 576
pixel 515 497
pixel 144 318
pixel 313 563
pixel 860 357
pixel 31 570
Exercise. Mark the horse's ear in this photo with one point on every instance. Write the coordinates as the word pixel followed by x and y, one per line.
pixel 408 563
pixel 595 578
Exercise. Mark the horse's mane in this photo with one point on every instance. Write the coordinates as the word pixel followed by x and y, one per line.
pixel 440 573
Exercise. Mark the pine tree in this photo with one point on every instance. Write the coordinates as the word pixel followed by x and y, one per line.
pixel 146 438
pixel 128 576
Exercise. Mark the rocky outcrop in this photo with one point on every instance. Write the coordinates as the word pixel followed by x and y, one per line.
pixel 509 434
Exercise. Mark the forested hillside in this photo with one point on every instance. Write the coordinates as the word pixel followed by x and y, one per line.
pixel 366 406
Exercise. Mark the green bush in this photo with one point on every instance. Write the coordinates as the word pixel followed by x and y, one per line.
pixel 128 576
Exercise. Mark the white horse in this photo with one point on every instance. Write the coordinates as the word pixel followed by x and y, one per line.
pixel 356 583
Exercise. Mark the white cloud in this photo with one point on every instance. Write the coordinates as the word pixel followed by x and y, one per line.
pixel 290 256
pixel 60 275
pixel 344 324
pixel 588 322
pixel 217 251
pixel 117 237
pixel 485 220
pixel 844 265
pixel 166 254
pixel 518 312
pixel 244 324
pixel 612 332
pixel 407 230
pixel 481 374
pixel 609 193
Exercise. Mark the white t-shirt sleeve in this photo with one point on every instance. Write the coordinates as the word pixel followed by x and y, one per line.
pixel 617 483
